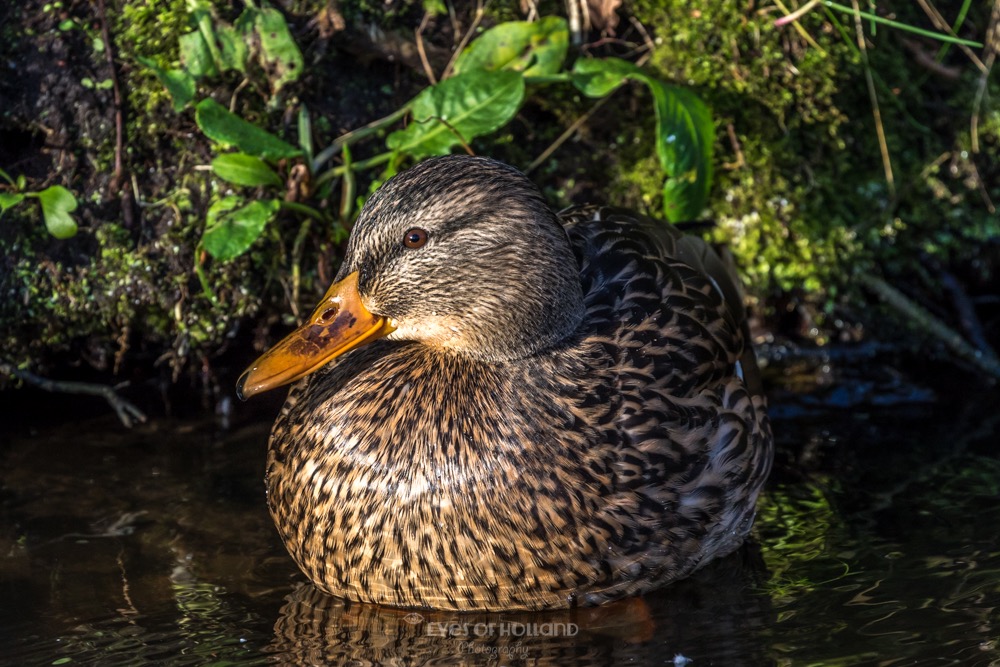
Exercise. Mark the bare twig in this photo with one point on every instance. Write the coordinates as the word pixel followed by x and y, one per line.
pixel 983 192
pixel 119 183
pixel 127 413
pixel 737 149
pixel 981 359
pixel 796 15
pixel 428 70
pixel 942 25
pixel 873 96
pixel 966 313
pixel 793 18
pixel 575 31
pixel 991 47
pixel 564 137
pixel 465 39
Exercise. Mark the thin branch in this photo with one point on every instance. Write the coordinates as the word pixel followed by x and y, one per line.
pixel 297 247
pixel 428 70
pixel 357 135
pixel 873 96
pixel 465 40
pixel 564 137
pixel 796 15
pixel 737 149
pixel 119 185
pixel 127 413
pixel 943 26
pixel 967 316
pixel 573 13
pixel 793 18
pixel 992 37
pixel 928 323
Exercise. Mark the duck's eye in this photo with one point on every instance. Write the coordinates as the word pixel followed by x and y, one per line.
pixel 415 238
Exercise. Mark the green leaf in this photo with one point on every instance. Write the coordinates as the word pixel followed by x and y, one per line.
pixel 685 136
pixel 57 204
pixel 230 230
pixel 458 110
pixel 279 54
pixel 5 176
pixel 203 18
pixel 9 199
pixel 196 58
pixel 220 125
pixel 179 83
pixel 233 51
pixel 536 48
pixel 305 133
pixel 598 77
pixel 243 169
pixel 685 133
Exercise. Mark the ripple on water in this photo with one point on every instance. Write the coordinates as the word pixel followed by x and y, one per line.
pixel 878 545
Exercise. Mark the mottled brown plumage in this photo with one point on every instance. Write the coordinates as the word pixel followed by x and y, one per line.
pixel 566 409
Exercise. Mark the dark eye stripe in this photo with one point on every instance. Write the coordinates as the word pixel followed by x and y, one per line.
pixel 415 238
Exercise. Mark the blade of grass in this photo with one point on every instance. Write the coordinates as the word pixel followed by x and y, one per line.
pixel 962 12
pixel 942 25
pixel 902 26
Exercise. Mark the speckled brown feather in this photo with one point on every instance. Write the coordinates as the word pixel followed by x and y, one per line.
pixel 614 460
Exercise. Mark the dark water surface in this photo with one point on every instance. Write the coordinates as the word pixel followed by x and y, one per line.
pixel 878 543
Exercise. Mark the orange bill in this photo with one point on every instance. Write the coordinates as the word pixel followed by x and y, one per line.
pixel 340 323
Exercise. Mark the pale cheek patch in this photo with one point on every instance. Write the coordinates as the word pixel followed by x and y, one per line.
pixel 437 331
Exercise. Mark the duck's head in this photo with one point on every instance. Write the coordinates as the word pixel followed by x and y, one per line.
pixel 458 253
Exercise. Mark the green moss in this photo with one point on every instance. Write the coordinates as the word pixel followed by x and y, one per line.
pixel 800 192
pixel 150 29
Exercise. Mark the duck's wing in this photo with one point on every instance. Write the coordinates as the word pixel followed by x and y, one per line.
pixel 623 254
pixel 690 428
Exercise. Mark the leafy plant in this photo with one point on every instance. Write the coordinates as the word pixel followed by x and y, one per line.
pixel 488 86
pixel 57 204
pixel 260 35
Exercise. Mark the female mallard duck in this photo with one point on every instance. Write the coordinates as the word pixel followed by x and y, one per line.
pixel 548 410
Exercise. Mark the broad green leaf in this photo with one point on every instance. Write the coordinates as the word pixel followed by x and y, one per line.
pixel 458 110
pixel 233 49
pixel 685 136
pixel 230 230
pixel 685 133
pixel 243 169
pixel 536 48
pixel 279 54
pixel 203 18
pixel 57 205
pixel 179 83
pixel 220 125
pixel 9 199
pixel 196 58
pixel 598 77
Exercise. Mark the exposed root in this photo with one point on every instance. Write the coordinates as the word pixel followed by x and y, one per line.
pixel 127 413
